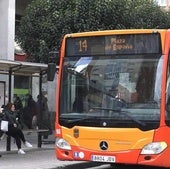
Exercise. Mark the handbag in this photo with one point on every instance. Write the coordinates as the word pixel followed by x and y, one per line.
pixel 4 125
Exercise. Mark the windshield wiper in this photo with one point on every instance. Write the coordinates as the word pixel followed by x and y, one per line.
pixel 72 122
pixel 118 110
pixel 107 109
pixel 79 119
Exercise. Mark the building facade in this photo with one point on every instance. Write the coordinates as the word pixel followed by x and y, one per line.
pixel 165 4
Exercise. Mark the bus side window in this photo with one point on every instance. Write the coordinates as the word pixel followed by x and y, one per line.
pixel 157 91
pixel 168 90
pixel 168 93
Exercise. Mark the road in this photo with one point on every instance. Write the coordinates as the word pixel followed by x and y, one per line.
pixel 91 165
pixel 44 158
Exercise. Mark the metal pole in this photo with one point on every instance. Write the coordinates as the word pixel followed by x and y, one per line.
pixel 40 94
pixel 8 142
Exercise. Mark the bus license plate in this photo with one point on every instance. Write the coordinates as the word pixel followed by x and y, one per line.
pixel 99 158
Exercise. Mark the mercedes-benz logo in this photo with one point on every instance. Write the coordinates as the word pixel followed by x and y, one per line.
pixel 103 145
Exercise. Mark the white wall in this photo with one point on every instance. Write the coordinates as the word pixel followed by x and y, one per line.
pixel 7 29
pixel 7 33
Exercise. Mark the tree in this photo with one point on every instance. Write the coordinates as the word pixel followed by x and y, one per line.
pixel 149 15
pixel 46 21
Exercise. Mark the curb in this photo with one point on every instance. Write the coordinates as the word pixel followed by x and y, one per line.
pixel 78 165
pixel 27 150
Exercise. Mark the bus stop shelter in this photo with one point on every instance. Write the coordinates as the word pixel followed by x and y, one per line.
pixel 14 68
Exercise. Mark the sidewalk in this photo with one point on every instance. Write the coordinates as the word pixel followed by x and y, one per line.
pixel 30 137
pixel 35 158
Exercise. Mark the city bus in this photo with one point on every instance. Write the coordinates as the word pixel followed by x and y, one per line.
pixel 113 97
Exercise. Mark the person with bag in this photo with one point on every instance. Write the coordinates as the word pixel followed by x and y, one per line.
pixel 13 129
pixel 1 118
pixel 3 123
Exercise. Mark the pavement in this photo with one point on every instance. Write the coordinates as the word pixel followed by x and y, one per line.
pixel 35 158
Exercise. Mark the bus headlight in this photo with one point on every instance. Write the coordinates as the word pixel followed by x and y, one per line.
pixel 154 148
pixel 63 144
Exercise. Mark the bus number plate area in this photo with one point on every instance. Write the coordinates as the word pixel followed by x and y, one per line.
pixel 100 158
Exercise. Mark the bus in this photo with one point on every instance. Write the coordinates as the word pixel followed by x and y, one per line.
pixel 112 101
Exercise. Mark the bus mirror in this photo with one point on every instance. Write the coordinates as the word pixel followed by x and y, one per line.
pixel 51 71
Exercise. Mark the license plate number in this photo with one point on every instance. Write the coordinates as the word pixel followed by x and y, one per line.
pixel 100 158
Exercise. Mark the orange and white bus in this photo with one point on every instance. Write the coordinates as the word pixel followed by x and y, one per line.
pixel 113 102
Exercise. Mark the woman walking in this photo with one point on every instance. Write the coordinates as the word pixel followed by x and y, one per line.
pixel 13 128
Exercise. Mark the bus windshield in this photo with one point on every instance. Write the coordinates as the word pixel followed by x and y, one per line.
pixel 110 91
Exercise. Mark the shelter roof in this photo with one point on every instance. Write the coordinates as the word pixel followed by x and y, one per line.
pixel 22 68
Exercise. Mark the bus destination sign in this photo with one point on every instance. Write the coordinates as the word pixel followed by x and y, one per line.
pixel 113 44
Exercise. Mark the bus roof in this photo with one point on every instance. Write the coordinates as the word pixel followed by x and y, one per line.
pixel 111 32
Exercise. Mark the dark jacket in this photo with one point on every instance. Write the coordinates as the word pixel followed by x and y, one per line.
pixel 11 117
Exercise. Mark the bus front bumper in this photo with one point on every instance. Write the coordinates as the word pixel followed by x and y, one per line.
pixel 122 157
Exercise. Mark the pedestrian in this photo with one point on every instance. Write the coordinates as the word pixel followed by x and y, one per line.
pixel 18 103
pixel 29 111
pixel 19 110
pixel 13 129
pixel 43 114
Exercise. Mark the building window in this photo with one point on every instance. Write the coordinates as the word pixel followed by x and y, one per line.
pixel 161 2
